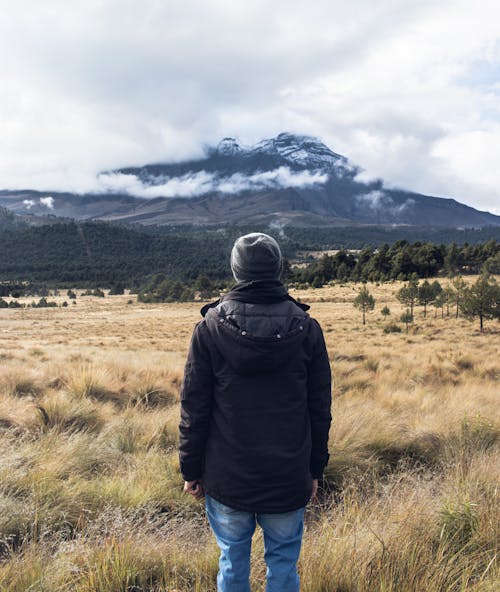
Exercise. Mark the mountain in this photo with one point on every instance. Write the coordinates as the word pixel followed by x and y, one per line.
pixel 287 180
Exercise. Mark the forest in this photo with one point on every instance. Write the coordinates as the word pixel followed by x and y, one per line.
pixel 99 254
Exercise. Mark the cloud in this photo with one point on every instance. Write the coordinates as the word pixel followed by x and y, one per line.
pixel 398 87
pixel 379 200
pixel 373 199
pixel 202 182
pixel 278 226
pixel 48 202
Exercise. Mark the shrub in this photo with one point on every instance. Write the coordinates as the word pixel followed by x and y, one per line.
pixel 392 328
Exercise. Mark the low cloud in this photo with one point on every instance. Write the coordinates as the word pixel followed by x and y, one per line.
pixel 278 226
pixel 202 182
pixel 374 200
pixel 378 200
pixel 47 202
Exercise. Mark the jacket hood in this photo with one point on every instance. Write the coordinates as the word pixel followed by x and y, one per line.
pixel 257 337
pixel 256 292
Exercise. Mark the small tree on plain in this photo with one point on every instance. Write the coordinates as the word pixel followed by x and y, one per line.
pixel 459 287
pixel 408 294
pixel 426 294
pixel 447 296
pixel 482 300
pixel 364 301
pixel 385 311
pixel 439 302
pixel 406 318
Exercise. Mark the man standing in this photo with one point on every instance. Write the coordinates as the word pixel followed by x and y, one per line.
pixel 255 417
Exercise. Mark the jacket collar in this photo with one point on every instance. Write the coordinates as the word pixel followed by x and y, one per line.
pixel 256 292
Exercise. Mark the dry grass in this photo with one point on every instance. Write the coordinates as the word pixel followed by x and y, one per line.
pixel 90 491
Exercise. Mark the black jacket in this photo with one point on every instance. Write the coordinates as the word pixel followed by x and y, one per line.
pixel 255 400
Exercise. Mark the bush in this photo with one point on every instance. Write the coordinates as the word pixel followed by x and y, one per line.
pixel 392 328
pixel 15 304
pixel 44 303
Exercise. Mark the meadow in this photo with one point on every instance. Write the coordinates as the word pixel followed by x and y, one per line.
pixel 90 491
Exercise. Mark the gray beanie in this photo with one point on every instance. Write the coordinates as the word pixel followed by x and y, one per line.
pixel 256 256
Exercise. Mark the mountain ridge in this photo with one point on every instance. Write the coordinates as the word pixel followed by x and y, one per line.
pixel 289 180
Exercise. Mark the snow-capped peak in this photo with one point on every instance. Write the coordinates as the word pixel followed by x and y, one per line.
pixel 297 151
pixel 228 147
pixel 301 150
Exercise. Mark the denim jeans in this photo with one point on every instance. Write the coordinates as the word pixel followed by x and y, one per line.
pixel 233 531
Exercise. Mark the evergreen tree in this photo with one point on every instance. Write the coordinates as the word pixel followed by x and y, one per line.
pixel 439 302
pixel 447 295
pixel 343 272
pixel 117 289
pixel 425 295
pixel 317 282
pixel 364 301
pixel 459 287
pixel 492 264
pixel 406 318
pixel 482 300
pixel 204 286
pixel 408 294
pixel 452 259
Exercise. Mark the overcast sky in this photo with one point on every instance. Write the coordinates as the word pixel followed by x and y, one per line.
pixel 407 89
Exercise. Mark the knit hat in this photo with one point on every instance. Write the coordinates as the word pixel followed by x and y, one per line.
pixel 256 256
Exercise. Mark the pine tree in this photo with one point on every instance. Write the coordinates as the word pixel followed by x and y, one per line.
pixel 425 295
pixel 408 294
pixel 406 318
pixel 459 287
pixel 364 301
pixel 482 300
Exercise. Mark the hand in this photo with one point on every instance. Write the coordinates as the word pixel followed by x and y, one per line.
pixel 194 488
pixel 314 493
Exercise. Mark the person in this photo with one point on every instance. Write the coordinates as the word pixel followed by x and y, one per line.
pixel 255 417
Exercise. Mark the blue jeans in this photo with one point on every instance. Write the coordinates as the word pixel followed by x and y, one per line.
pixel 233 531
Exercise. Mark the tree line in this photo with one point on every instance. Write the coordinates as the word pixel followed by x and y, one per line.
pixel 101 254
pixel 479 300
pixel 400 261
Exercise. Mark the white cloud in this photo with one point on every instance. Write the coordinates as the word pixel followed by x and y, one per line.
pixel 373 199
pixel 404 89
pixel 379 200
pixel 48 202
pixel 200 183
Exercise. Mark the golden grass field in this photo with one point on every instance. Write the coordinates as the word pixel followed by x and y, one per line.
pixel 90 491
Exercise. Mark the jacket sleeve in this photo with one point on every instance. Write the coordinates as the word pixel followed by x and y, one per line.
pixel 319 392
pixel 196 405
